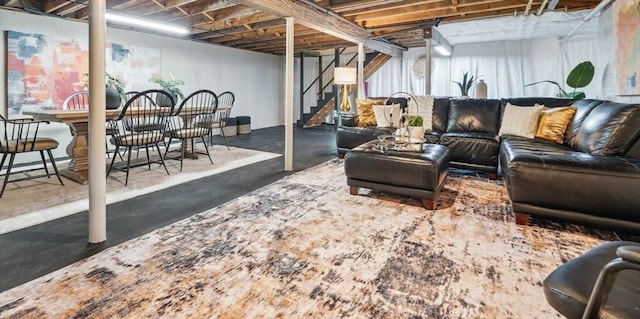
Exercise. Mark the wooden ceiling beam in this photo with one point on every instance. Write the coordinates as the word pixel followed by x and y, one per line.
pixel 302 44
pixel 236 29
pixel 51 6
pixel 189 8
pixel 121 4
pixel 311 17
pixel 10 3
pixel 447 13
pixel 309 33
pixel 218 25
pixel 383 7
pixel 71 9
pixel 322 21
pixel 421 8
pixel 260 35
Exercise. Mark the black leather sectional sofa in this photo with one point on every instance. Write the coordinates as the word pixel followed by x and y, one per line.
pixel 593 178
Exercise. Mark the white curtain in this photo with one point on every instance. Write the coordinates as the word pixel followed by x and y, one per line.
pixel 506 66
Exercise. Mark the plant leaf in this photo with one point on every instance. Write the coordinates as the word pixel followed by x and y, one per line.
pixel 572 95
pixel 581 75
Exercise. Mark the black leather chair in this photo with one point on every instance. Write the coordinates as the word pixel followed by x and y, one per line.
pixel 604 282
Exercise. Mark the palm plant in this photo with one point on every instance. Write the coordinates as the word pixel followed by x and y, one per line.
pixel 170 85
pixel 579 77
pixel 466 84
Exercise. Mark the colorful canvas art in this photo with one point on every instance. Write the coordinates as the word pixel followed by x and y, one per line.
pixel 627 31
pixel 42 70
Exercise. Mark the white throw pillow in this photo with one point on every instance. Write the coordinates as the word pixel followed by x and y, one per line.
pixel 387 115
pixel 422 105
pixel 520 120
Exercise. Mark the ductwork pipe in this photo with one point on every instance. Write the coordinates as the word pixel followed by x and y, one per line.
pixel 588 17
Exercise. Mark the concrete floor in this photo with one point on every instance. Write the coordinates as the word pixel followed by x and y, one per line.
pixel 35 251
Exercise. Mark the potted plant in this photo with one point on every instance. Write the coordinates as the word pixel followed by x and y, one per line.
pixel 466 84
pixel 416 128
pixel 115 93
pixel 171 86
pixel 579 77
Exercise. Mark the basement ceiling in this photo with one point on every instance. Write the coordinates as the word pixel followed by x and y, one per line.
pixel 260 25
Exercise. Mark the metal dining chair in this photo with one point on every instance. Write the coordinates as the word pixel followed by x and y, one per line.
pixel 193 119
pixel 141 123
pixel 225 103
pixel 21 136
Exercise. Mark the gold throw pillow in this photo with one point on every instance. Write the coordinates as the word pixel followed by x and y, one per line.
pixel 553 123
pixel 366 117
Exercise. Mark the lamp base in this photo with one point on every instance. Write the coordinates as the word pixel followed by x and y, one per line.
pixel 345 104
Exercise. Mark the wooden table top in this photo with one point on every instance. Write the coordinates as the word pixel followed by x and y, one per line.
pixel 75 116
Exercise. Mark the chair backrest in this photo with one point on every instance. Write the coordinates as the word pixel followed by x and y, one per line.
pixel 76 101
pixel 200 107
pixel 225 103
pixel 226 99
pixel 18 135
pixel 142 118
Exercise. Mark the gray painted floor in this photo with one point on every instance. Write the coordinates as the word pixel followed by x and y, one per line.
pixel 35 251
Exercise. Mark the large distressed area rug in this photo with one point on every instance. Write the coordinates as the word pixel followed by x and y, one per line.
pixel 303 247
pixel 34 201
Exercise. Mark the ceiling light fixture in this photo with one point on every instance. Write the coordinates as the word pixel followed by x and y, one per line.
pixel 134 21
pixel 442 50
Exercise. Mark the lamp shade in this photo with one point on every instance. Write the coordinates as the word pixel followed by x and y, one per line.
pixel 345 75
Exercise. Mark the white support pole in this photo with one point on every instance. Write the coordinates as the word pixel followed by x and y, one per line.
pixel 427 66
pixel 288 111
pixel 97 161
pixel 361 92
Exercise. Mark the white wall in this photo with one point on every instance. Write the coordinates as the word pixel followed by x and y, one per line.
pixel 506 66
pixel 256 79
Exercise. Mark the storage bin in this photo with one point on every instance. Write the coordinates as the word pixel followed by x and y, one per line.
pixel 231 129
pixel 244 124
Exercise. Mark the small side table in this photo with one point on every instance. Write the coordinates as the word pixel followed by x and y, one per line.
pixel 348 119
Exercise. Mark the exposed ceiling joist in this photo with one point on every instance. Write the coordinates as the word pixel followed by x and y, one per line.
pixel 383 25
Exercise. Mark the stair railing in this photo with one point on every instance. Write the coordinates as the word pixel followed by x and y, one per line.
pixel 321 74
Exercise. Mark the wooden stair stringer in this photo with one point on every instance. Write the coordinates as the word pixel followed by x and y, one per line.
pixel 328 108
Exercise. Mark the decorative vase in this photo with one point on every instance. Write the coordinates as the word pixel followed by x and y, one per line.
pixel 481 90
pixel 113 100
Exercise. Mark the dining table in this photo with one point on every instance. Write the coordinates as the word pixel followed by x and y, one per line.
pixel 78 148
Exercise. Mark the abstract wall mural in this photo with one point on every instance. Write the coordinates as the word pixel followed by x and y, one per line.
pixel 627 31
pixel 42 70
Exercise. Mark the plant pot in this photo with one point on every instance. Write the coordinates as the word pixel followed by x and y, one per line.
pixel 163 101
pixel 411 131
pixel 113 100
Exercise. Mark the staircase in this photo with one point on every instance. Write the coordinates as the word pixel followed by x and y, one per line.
pixel 327 104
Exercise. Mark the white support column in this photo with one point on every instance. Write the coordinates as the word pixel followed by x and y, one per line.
pixel 427 65
pixel 288 111
pixel 361 92
pixel 97 151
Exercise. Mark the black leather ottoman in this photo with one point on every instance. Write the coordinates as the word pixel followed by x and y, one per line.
pixel 413 174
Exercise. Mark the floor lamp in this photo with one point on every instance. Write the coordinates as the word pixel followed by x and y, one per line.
pixel 345 76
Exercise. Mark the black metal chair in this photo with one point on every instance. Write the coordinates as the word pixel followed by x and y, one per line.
pixel 225 104
pixel 604 282
pixel 21 136
pixel 80 101
pixel 193 119
pixel 142 123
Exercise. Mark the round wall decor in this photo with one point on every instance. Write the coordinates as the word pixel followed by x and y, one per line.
pixel 419 66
